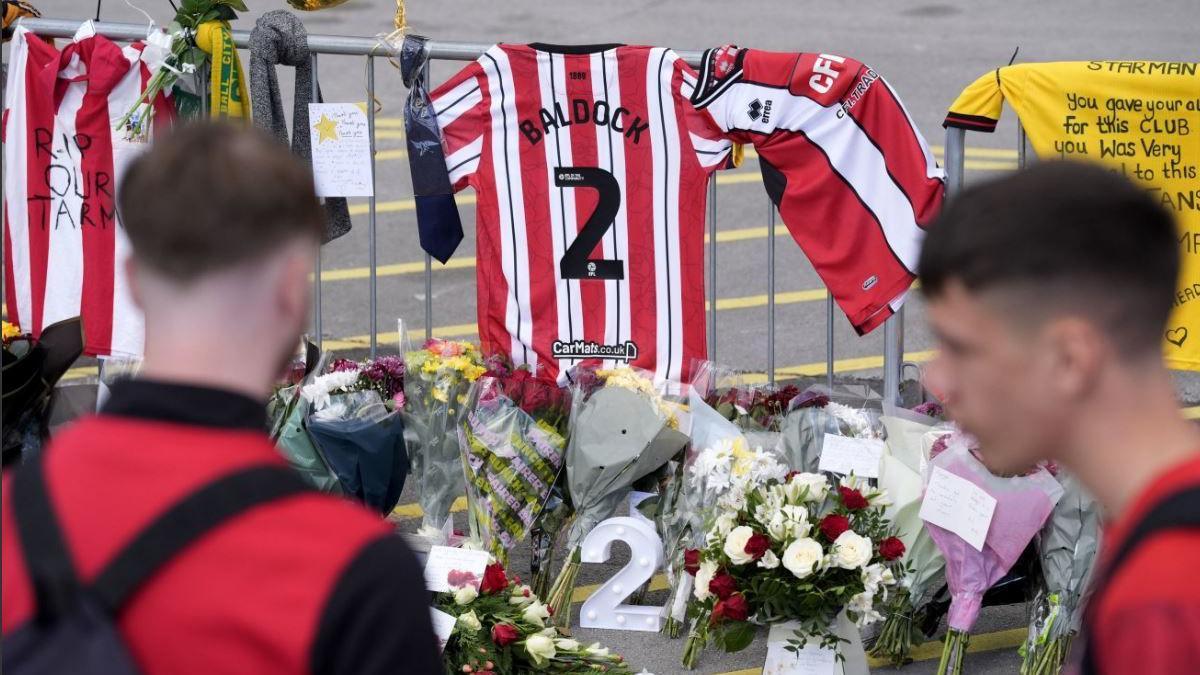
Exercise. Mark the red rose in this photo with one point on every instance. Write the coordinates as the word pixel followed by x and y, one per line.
pixel 494 579
pixel 853 499
pixel 757 545
pixel 891 548
pixel 833 525
pixel 722 585
pixel 733 608
pixel 537 397
pixel 691 561
pixel 504 634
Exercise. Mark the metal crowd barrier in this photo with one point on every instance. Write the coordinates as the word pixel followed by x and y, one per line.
pixel 372 48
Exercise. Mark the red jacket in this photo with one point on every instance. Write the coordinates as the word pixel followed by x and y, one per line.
pixel 308 584
pixel 1148 620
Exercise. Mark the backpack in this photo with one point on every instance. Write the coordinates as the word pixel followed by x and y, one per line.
pixel 73 628
pixel 1179 511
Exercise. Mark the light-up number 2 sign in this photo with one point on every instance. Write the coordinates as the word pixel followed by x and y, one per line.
pixel 605 608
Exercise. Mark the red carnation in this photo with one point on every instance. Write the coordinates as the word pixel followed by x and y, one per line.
pixel 853 499
pixel 790 475
pixel 733 608
pixel 691 561
pixel 891 548
pixel 494 579
pixel 722 585
pixel 757 545
pixel 833 525
pixel 504 634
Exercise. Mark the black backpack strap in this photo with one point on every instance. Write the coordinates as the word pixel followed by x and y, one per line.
pixel 187 521
pixel 43 546
pixel 1179 511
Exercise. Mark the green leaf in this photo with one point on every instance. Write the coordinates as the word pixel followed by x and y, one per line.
pixel 239 5
pixel 225 13
pixel 737 637
pixel 210 15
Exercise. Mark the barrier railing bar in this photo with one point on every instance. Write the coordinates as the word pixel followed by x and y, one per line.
pixel 893 356
pixel 955 149
pixel 371 245
pixel 1020 145
pixel 316 98
pixel 428 258
pixel 829 340
pixel 770 291
pixel 712 268
pixel 346 45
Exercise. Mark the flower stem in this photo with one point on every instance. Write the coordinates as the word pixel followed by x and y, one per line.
pixel 564 588
pixel 696 641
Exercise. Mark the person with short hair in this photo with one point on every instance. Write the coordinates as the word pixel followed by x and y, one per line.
pixel 224 225
pixel 1049 291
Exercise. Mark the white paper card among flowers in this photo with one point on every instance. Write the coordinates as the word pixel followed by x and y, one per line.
pixel 812 660
pixel 341 150
pixel 958 505
pixel 845 455
pixel 443 626
pixel 444 559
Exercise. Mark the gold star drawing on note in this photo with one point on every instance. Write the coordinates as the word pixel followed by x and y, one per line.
pixel 327 129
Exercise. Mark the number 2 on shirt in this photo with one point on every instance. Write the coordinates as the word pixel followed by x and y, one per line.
pixel 575 263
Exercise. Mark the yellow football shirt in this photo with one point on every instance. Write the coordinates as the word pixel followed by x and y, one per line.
pixel 1142 118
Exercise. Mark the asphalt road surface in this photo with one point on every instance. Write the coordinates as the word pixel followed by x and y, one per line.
pixel 928 51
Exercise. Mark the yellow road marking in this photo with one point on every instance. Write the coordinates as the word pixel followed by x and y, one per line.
pixel 657 583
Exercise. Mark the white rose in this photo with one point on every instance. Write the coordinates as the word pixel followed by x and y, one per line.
pixel 567 645
pixel 541 648
pixel 596 650
pixel 704 576
pixel 817 487
pixel 470 621
pixel 521 596
pixel 536 613
pixel 735 545
pixel 465 596
pixel 802 557
pixel 851 550
pixel 769 560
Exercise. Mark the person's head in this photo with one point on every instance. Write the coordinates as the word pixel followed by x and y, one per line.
pixel 224 224
pixel 1043 287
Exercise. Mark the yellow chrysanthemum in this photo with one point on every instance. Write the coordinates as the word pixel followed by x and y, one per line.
pixel 430 366
pixel 11 330
pixel 440 394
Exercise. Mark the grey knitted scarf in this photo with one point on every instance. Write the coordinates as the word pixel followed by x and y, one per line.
pixel 279 38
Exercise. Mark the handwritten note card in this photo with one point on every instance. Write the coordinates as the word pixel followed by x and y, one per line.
pixel 443 626
pixel 444 559
pixel 860 456
pixel 341 150
pixel 812 660
pixel 956 504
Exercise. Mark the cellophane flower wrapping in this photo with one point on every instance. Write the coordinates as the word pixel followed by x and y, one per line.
pixel 811 415
pixel 1068 546
pixel 751 408
pixel 501 626
pixel 363 441
pixel 436 386
pixel 802 549
pixel 622 428
pixel 922 566
pixel 1023 503
pixel 513 439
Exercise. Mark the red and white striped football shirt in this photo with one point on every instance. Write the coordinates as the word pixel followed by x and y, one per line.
pixel 853 179
pixel 64 247
pixel 590 168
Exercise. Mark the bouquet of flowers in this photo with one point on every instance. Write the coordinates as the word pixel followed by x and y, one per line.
pixel 174 54
pixel 812 415
pixel 750 407
pixel 355 425
pixel 1022 505
pixel 500 627
pixel 1068 547
pixel 512 437
pixel 901 475
pixel 621 430
pixel 720 469
pixel 439 377
pixel 799 549
pixel 287 413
